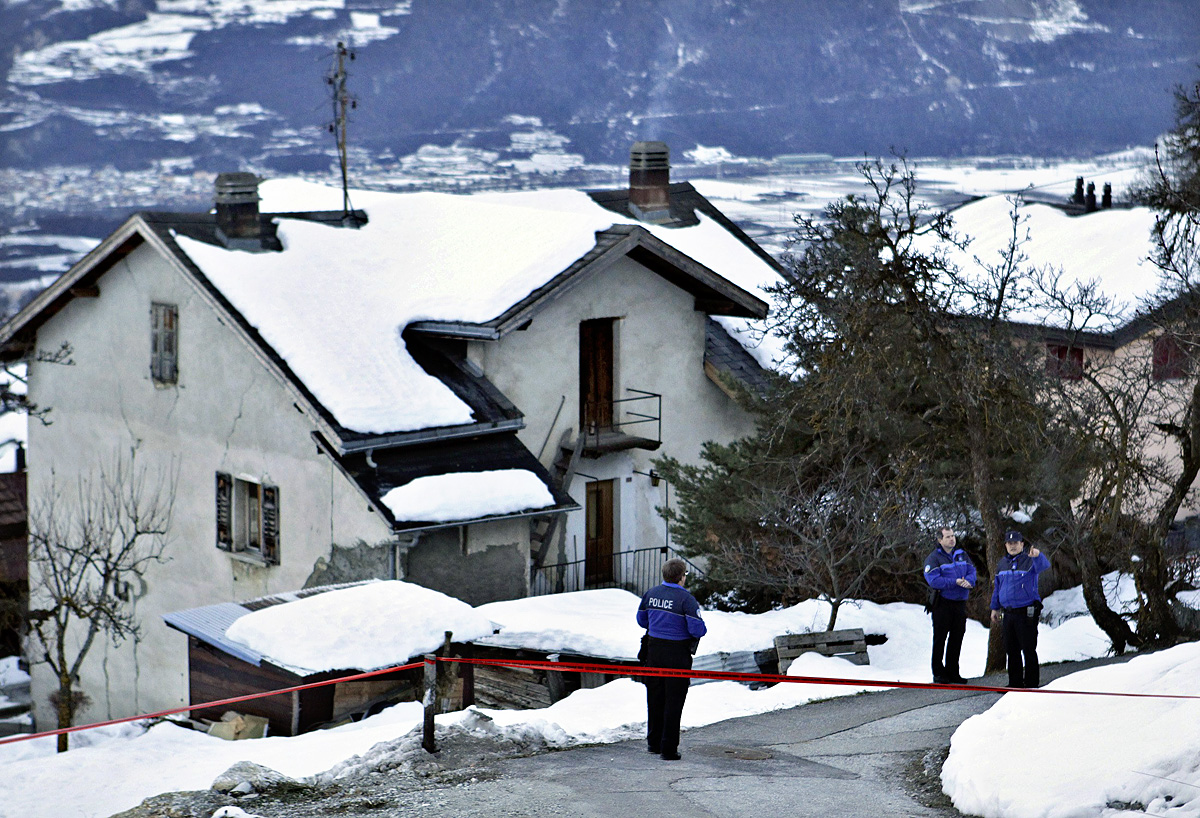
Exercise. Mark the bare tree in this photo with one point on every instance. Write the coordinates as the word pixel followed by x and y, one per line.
pixel 86 549
pixel 15 399
pixel 821 537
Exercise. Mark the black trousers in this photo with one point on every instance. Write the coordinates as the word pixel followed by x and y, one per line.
pixel 1020 643
pixel 949 625
pixel 664 696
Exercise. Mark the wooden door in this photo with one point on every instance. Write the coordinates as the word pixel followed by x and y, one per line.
pixel 596 375
pixel 598 562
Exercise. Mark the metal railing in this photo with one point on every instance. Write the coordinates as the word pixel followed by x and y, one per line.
pixel 643 408
pixel 637 571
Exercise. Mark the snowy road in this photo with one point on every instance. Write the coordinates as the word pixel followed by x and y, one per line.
pixel 853 757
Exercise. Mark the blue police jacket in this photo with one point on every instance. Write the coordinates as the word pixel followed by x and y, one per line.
pixel 942 571
pixel 1017 580
pixel 670 612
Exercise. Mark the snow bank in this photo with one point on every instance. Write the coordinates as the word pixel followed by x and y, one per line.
pixel 1047 756
pixel 360 628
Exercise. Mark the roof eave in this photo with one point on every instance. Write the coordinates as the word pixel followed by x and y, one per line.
pixel 15 340
pixel 401 527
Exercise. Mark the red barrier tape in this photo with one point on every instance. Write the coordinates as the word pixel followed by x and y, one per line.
pixel 723 675
pixel 615 670
pixel 217 703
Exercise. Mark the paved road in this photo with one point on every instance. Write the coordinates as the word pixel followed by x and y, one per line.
pixel 853 757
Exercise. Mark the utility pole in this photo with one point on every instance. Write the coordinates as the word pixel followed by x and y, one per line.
pixel 343 103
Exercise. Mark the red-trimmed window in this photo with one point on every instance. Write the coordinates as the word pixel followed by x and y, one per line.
pixel 1064 361
pixel 1170 359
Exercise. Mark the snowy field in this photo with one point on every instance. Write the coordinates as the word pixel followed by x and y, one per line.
pixel 1118 750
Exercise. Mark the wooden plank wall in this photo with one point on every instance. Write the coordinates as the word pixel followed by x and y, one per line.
pixel 214 675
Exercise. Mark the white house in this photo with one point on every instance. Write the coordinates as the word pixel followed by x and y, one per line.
pixel 460 391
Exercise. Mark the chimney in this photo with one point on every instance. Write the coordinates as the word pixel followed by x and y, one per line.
pixel 238 225
pixel 1077 198
pixel 649 176
pixel 1106 197
pixel 1089 203
pixel 20 458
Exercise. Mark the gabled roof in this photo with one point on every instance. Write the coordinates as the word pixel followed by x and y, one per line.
pixel 336 313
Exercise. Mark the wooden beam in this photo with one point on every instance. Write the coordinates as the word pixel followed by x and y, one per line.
pixel 92 291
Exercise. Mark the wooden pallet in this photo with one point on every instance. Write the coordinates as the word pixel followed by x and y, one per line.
pixel 850 644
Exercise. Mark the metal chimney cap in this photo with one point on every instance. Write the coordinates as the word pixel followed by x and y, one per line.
pixel 649 156
pixel 237 188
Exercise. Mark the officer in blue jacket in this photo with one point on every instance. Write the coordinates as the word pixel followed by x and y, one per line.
pixel 1016 602
pixel 673 625
pixel 950 574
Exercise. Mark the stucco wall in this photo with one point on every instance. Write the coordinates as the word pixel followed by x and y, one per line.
pixel 479 563
pixel 227 413
pixel 659 347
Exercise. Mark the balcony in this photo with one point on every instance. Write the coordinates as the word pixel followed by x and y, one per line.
pixel 634 422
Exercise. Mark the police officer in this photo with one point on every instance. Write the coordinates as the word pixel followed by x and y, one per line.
pixel 672 621
pixel 1016 602
pixel 950 575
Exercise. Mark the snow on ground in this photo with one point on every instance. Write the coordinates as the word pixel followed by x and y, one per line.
pixel 10 674
pixel 122 765
pixel 1119 590
pixel 1046 756
pixel 357 628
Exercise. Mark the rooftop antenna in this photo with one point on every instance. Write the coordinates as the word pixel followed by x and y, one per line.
pixel 343 103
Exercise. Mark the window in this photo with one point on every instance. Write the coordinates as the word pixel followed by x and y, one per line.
pixel 248 518
pixel 164 343
pixel 1064 361
pixel 1170 359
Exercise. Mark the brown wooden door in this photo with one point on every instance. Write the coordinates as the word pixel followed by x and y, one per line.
pixel 596 375
pixel 598 564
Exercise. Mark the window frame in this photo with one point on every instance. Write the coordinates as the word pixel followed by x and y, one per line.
pixel 1065 361
pixel 1169 359
pixel 164 343
pixel 247 518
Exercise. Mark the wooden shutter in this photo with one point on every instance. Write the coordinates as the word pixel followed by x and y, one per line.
pixel 224 512
pixel 164 340
pixel 270 524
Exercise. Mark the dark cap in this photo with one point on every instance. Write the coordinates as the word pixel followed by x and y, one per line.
pixel 1013 536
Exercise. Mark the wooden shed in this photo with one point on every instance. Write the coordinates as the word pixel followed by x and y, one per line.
pixel 219 668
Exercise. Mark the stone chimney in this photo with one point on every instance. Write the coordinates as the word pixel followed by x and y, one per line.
pixel 649 176
pixel 1106 196
pixel 238 225
pixel 1089 202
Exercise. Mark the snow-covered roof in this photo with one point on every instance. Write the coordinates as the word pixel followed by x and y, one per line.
pixel 334 301
pixel 360 627
pixel 1111 247
pixel 468 495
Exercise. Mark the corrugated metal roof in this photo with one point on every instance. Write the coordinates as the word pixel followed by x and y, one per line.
pixel 741 661
pixel 209 623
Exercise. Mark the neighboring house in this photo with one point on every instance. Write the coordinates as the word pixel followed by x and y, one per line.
pixel 459 391
pixel 14 549
pixel 1085 241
